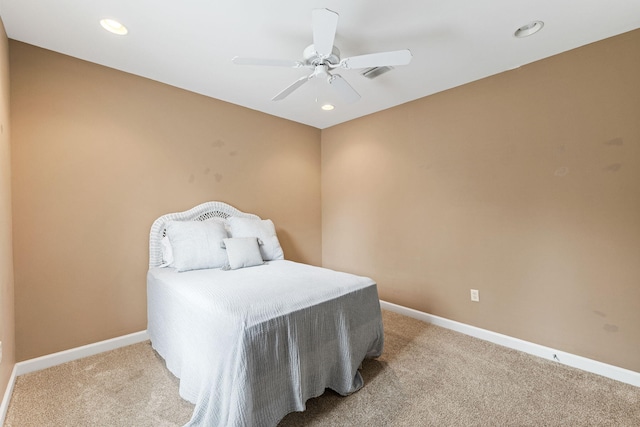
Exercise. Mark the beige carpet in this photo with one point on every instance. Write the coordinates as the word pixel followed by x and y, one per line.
pixel 128 387
pixel 427 376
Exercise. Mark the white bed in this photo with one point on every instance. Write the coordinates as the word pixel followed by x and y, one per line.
pixel 251 345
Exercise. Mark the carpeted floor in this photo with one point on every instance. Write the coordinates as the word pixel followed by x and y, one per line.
pixel 128 387
pixel 427 376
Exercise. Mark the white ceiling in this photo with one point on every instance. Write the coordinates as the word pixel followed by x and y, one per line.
pixel 190 43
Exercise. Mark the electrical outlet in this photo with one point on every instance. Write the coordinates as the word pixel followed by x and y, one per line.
pixel 475 295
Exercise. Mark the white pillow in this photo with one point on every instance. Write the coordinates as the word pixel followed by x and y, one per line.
pixel 196 244
pixel 243 252
pixel 167 252
pixel 263 230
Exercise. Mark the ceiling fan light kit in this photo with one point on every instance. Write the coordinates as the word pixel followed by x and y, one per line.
pixel 322 57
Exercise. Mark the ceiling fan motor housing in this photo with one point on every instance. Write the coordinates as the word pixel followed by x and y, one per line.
pixel 311 56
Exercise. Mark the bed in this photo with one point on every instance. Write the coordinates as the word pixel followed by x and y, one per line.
pixel 252 343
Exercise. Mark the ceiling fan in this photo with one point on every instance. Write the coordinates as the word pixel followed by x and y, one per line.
pixel 322 56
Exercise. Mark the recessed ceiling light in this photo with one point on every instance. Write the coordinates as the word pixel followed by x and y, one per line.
pixel 529 29
pixel 327 107
pixel 114 26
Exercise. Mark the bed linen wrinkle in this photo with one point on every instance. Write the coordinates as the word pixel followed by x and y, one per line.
pixel 245 359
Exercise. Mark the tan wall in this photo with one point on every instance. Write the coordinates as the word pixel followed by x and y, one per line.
pixel 6 255
pixel 98 155
pixel 524 185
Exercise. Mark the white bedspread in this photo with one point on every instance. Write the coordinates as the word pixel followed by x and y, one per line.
pixel 254 344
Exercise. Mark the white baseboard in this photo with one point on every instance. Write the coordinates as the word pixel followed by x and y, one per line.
pixel 65 356
pixel 7 396
pixel 589 365
pixel 61 357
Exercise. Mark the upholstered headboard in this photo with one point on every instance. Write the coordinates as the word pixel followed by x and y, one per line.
pixel 203 212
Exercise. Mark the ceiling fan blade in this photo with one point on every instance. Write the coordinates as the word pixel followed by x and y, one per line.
pixel 269 62
pixel 289 89
pixel 344 89
pixel 396 57
pixel 325 23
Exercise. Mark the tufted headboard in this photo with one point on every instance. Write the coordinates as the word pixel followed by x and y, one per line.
pixel 203 212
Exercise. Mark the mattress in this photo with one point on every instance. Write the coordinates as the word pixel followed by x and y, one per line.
pixel 251 345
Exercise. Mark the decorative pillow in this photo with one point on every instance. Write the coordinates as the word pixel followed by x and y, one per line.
pixel 196 244
pixel 167 252
pixel 243 252
pixel 264 230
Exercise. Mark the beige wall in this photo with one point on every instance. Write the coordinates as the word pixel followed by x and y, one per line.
pixel 6 255
pixel 98 155
pixel 524 185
